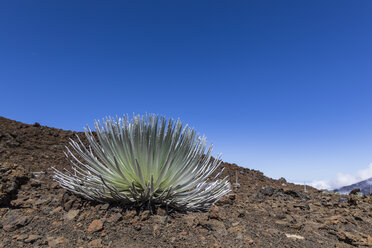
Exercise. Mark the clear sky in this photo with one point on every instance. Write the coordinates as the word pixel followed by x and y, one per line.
pixel 284 87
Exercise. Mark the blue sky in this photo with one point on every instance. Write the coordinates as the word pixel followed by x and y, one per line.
pixel 283 87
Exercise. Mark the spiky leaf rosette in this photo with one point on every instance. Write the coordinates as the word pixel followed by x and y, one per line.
pixel 147 160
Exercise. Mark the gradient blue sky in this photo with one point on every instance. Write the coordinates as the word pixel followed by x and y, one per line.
pixel 279 86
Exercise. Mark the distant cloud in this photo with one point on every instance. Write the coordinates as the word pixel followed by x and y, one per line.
pixel 343 179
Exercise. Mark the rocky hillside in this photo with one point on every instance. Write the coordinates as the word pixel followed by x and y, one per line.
pixel 262 212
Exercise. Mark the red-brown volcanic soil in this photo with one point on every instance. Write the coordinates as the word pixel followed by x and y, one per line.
pixel 36 212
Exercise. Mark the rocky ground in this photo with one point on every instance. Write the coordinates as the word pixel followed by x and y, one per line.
pixel 262 212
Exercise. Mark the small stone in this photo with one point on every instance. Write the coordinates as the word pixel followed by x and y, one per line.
pixel 159 219
pixel 236 185
pixel 130 214
pixel 145 215
pixel 115 218
pixel 273 231
pixel 20 237
pixel 161 212
pixel 68 205
pixel 237 231
pixel 95 243
pixel 95 226
pixel 369 240
pixel 336 219
pixel 54 242
pixel 183 235
pixel 41 202
pixel 226 200
pixel 218 227
pixel 282 180
pixel 56 223
pixel 137 227
pixel 155 230
pixel 56 210
pixel 32 238
pixel 105 206
pixel 294 236
pixel 83 216
pixel 216 213
pixel 35 184
pixel 353 200
pixel 267 191
pixel 191 220
pixel 241 213
pixel 71 214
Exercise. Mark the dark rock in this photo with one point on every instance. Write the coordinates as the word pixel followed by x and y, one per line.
pixel 270 191
pixel 11 179
pixel 354 192
pixel 241 213
pixel 226 200
pixel 353 200
pixel 278 193
pixel 137 227
pixel 282 180
pixel 295 193
pixel 356 239
pixel 302 206
pixel 35 184
pixel 267 191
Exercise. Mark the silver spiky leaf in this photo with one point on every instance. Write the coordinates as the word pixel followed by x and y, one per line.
pixel 148 160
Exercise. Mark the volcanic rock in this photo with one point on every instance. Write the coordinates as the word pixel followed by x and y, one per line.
pixel 14 220
pixel 95 226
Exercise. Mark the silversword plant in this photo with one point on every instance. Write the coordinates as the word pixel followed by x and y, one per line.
pixel 147 161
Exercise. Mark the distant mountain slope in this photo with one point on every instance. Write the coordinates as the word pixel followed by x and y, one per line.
pixel 364 186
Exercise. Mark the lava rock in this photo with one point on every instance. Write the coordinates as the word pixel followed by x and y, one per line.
pixel 15 220
pixel 95 226
pixel 11 179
